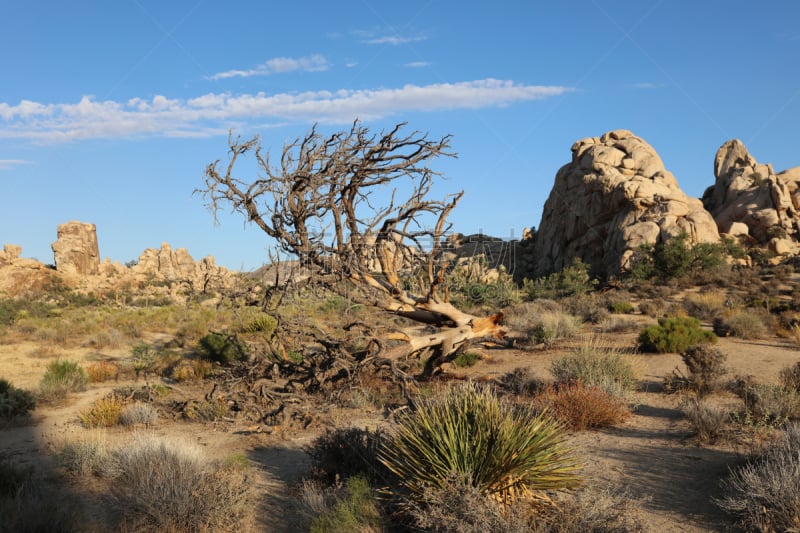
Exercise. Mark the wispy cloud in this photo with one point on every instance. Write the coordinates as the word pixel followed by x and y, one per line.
pixel 214 113
pixel 6 164
pixel 418 64
pixel 648 85
pixel 394 40
pixel 278 65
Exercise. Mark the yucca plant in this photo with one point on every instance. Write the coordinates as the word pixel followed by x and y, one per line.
pixel 502 449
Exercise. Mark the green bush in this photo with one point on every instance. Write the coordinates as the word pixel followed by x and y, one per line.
pixel 14 401
pixel 674 334
pixel 222 348
pixel 676 257
pixel 356 511
pixel 466 359
pixel 596 365
pixel 61 377
pixel 621 308
pixel 466 429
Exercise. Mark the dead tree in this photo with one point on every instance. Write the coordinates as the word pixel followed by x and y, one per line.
pixel 321 202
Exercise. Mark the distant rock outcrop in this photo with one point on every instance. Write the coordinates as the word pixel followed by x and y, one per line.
pixel 76 250
pixel 614 196
pixel 177 265
pixel 749 199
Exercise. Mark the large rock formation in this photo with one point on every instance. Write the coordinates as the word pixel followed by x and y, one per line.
pixel 614 196
pixel 75 250
pixel 177 265
pixel 750 199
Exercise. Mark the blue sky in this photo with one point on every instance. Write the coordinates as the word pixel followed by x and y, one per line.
pixel 110 111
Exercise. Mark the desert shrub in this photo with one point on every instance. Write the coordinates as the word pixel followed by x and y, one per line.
pixel 346 452
pixel 102 371
pixel 707 421
pixel 61 377
pixel 191 370
pixel 355 510
pixel 205 410
pixel 222 348
pixel 765 492
pixel 790 377
pixel 138 413
pixel 706 367
pixel 164 486
pixel 14 401
pixel 103 413
pixel 468 430
pixel 621 308
pixel 595 364
pixel 674 334
pixel 588 307
pixel 521 381
pixel 705 305
pixel 84 456
pixel 654 308
pixel 466 359
pixel 580 407
pixel 571 280
pixel 458 506
pixel 617 324
pixel 143 359
pixel 770 403
pixel 745 324
pixel 261 323
pixel 548 328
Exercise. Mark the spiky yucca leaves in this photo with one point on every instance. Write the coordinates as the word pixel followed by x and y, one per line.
pixel 503 450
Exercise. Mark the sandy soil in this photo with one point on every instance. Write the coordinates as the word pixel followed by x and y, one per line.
pixel 652 455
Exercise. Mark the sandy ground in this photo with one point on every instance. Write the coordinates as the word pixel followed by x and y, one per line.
pixel 652 455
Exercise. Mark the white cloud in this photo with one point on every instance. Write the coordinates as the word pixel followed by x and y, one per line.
pixel 278 65
pixel 418 64
pixel 6 164
pixel 214 113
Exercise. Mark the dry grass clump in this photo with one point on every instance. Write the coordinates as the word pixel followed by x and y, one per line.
pixel 705 305
pixel 103 413
pixel 595 363
pixel 351 507
pixel 771 404
pixel 741 323
pixel 765 493
pixel 28 504
pixel 618 324
pixel 102 371
pixel 542 322
pixel 521 381
pixel 158 485
pixel 581 407
pixel 138 414
pixel 707 421
pixel 790 377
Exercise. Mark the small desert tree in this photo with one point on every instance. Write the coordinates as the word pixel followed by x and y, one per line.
pixel 319 202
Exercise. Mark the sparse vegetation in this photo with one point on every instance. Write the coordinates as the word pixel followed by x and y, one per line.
pixel 744 323
pixel 706 366
pixel 706 420
pixel 355 509
pixel 674 334
pixel 466 359
pixel 138 414
pixel 102 371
